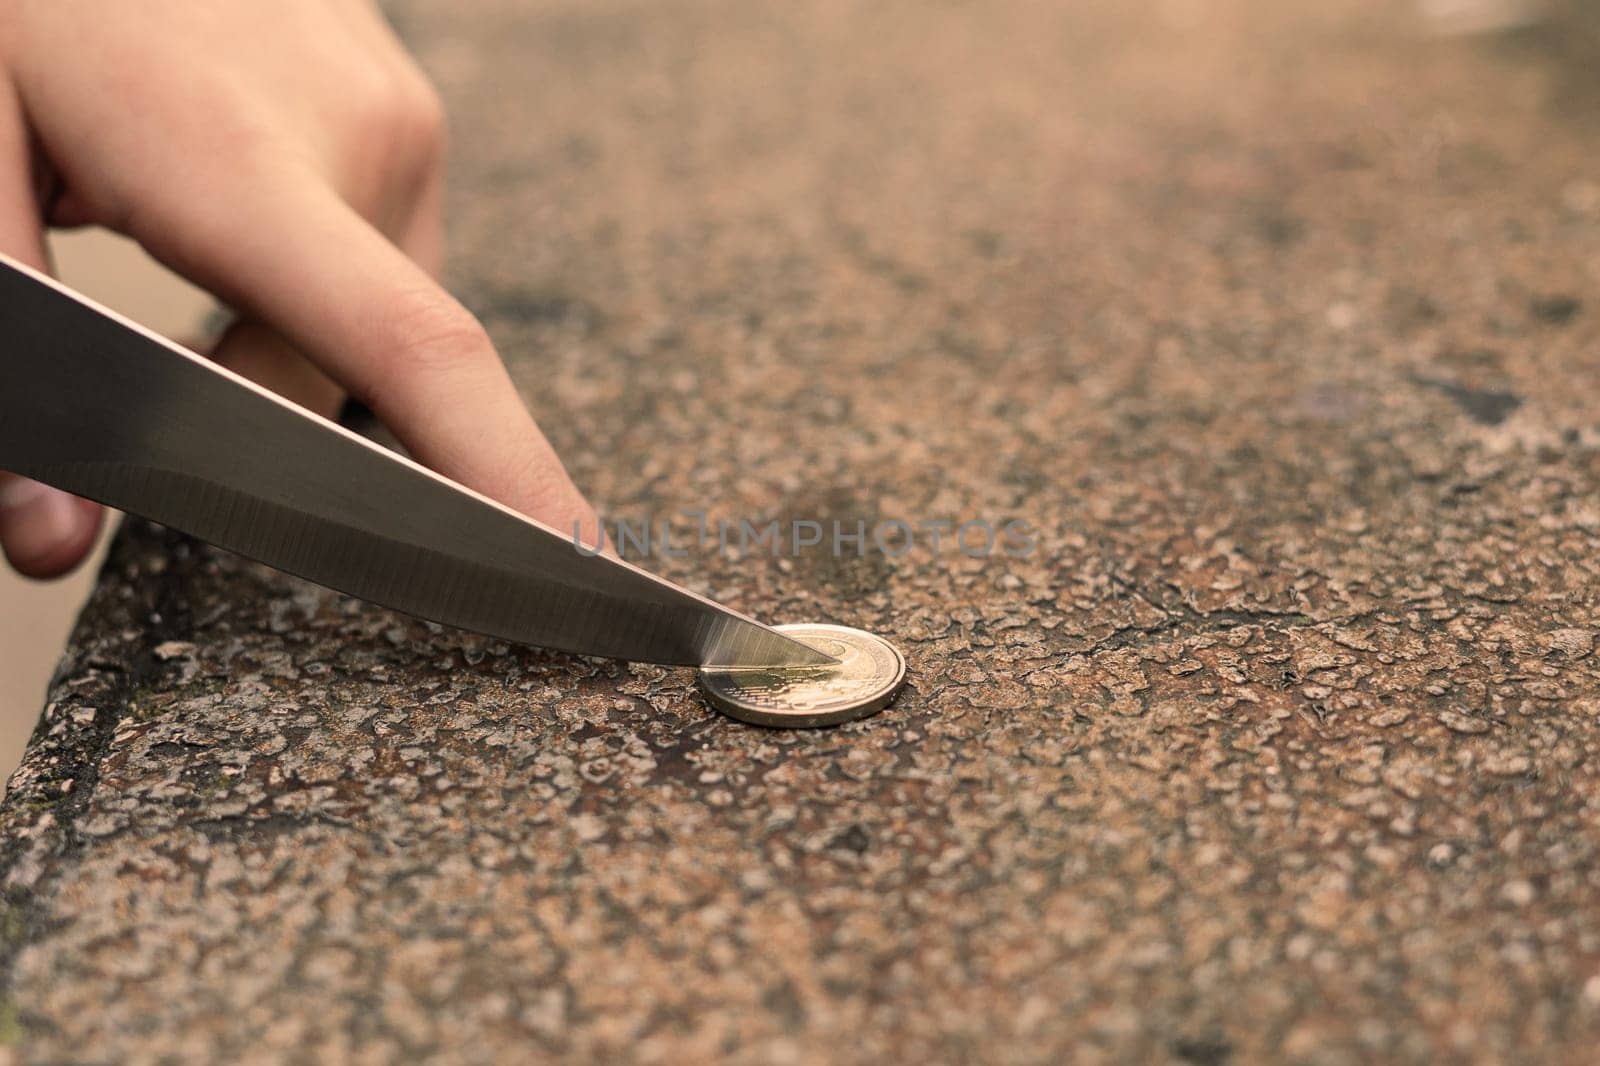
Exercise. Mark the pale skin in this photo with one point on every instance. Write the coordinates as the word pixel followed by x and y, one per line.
pixel 287 157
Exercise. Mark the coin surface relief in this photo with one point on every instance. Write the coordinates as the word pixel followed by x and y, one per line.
pixel 866 678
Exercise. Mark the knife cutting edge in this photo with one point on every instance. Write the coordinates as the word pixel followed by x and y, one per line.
pixel 98 406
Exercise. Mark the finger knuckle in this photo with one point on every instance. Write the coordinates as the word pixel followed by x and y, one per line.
pixel 402 118
pixel 534 481
pixel 425 125
pixel 372 100
pixel 432 334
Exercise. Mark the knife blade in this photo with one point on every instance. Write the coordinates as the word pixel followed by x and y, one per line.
pixel 96 405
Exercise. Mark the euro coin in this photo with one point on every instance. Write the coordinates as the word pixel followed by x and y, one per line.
pixel 864 681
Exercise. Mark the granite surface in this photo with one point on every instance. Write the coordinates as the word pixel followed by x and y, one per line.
pixel 1278 323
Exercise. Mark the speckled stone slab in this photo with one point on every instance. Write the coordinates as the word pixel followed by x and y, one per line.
pixel 1280 323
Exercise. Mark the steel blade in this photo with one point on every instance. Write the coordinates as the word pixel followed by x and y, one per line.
pixel 98 406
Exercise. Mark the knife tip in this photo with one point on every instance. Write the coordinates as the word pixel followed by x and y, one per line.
pixel 764 648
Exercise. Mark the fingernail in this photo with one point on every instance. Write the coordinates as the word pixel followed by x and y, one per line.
pixel 36 519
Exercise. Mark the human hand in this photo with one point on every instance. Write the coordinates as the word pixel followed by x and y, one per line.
pixel 287 157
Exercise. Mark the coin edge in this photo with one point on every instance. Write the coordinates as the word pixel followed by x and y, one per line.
pixel 816 720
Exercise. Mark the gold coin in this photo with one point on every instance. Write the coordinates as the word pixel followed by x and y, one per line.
pixel 864 680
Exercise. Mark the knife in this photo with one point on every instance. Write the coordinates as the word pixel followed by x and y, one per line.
pixel 98 406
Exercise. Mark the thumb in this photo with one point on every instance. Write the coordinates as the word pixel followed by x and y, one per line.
pixel 46 532
pixel 43 531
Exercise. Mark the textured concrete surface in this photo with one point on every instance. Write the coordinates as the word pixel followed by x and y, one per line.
pixel 1278 320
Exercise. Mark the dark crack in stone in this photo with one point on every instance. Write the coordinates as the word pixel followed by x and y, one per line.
pixel 1490 407
pixel 1281 747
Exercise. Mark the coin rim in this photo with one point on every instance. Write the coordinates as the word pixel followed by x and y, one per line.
pixel 757 716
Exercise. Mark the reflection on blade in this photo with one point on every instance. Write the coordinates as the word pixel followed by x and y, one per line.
pixel 99 407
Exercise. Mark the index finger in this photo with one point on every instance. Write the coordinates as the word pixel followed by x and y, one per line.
pixel 303 261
